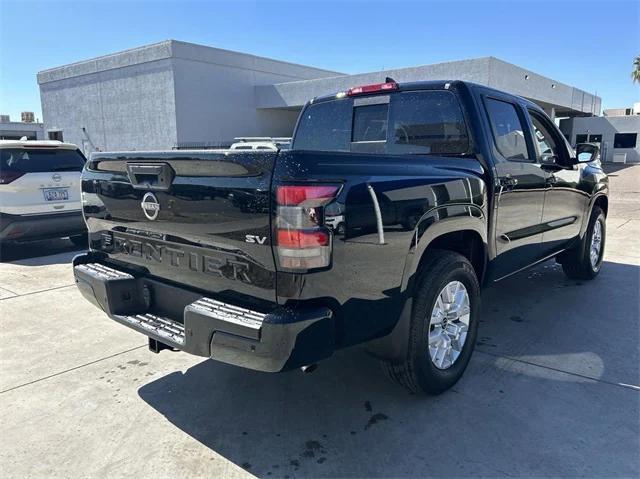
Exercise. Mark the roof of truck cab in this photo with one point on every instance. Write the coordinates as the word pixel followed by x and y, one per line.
pixel 420 85
pixel 429 85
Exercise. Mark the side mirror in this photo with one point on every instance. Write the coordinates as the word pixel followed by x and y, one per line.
pixel 548 158
pixel 586 152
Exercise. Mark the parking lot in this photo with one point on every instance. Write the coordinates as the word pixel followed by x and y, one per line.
pixel 553 388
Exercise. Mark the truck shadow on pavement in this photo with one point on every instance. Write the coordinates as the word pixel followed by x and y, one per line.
pixel 541 368
pixel 39 253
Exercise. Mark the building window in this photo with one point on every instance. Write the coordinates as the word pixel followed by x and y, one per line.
pixel 625 140
pixel 581 139
pixel 595 138
pixel 55 135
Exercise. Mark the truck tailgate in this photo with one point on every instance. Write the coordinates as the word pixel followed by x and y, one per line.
pixel 198 218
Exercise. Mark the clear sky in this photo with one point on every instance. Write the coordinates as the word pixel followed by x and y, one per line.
pixel 587 44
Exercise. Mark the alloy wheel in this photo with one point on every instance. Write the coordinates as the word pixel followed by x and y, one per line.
pixel 449 325
pixel 596 244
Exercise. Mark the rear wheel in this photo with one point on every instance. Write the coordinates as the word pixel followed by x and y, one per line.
pixel 585 260
pixel 444 325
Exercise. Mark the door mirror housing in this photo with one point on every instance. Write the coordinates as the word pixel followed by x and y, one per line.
pixel 548 159
pixel 586 152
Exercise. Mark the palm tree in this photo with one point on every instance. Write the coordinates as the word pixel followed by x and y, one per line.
pixel 635 74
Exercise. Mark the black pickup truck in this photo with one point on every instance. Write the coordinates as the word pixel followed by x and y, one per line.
pixel 395 204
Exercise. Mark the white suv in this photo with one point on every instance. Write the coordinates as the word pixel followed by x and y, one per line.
pixel 40 191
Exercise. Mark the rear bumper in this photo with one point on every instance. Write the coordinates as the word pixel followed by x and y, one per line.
pixel 275 341
pixel 44 226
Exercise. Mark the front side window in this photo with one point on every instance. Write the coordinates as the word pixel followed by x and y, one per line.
pixel 507 129
pixel 545 144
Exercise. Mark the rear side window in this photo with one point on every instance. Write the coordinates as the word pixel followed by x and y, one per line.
pixel 428 122
pixel 325 126
pixel 417 122
pixel 507 130
pixel 40 160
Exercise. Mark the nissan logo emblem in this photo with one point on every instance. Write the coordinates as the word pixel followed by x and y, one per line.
pixel 150 206
pixel 56 177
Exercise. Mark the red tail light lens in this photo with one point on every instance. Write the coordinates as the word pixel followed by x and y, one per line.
pixel 299 239
pixel 7 176
pixel 377 87
pixel 305 195
pixel 303 242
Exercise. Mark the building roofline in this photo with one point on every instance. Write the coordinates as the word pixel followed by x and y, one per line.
pixel 23 123
pixel 257 57
pixel 155 52
pixel 104 57
pixel 488 71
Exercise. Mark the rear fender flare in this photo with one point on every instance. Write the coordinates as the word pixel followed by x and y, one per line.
pixel 431 226
pixel 437 223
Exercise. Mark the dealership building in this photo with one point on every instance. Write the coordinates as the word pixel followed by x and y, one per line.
pixel 174 94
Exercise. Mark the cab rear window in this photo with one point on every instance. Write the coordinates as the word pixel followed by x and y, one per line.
pixel 415 122
pixel 325 126
pixel 34 160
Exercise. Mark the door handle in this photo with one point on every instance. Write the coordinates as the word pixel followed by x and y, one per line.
pixel 150 176
pixel 508 181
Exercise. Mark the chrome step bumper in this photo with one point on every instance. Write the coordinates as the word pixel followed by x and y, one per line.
pixel 274 341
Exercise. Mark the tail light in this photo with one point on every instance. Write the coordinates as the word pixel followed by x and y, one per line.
pixel 302 240
pixel 375 88
pixel 7 176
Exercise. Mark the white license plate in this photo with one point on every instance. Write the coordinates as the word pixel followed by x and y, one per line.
pixel 56 194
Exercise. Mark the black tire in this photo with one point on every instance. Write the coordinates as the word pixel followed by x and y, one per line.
pixel 417 372
pixel 576 263
pixel 80 241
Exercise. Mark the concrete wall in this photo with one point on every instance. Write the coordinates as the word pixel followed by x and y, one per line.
pixel 123 101
pixel 215 99
pixel 542 90
pixel 495 73
pixel 607 126
pixel 162 95
pixel 296 94
pixel 16 130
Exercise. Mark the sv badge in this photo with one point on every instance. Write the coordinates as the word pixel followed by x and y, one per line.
pixel 255 239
